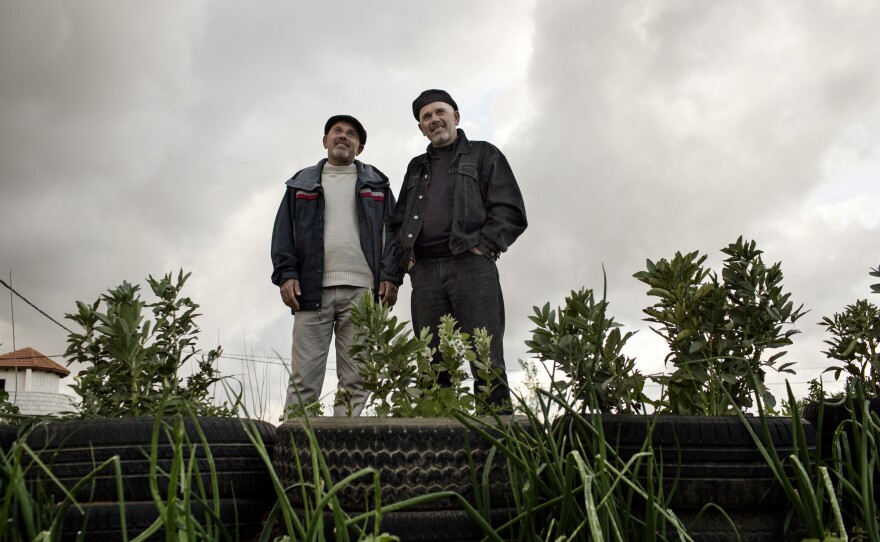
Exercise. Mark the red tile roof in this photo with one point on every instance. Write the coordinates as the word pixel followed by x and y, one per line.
pixel 28 358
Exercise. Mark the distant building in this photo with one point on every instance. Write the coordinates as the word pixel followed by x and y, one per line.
pixel 32 381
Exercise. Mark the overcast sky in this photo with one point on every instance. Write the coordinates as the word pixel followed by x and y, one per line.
pixel 138 138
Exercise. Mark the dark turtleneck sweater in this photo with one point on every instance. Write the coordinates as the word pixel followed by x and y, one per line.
pixel 433 240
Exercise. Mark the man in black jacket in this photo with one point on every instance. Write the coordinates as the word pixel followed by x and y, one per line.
pixel 460 208
pixel 327 250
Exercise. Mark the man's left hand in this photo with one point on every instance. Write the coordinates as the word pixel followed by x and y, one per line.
pixel 387 293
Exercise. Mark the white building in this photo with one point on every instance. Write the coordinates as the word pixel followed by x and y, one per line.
pixel 32 381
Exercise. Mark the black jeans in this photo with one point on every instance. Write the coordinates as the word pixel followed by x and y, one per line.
pixel 467 287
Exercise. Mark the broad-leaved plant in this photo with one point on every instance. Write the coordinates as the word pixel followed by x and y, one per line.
pixel 719 328
pixel 586 344
pixel 399 371
pixel 131 362
pixel 855 341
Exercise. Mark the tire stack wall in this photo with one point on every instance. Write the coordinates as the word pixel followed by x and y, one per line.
pixel 73 449
pixel 413 457
pixel 714 459
pixel 8 435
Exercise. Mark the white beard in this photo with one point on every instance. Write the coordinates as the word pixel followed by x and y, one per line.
pixel 440 138
pixel 343 154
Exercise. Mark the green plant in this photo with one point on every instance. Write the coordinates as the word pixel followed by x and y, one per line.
pixel 131 362
pixel 398 369
pixel 875 272
pixel 718 329
pixel 586 345
pixel 297 410
pixel 24 515
pixel 855 462
pixel 527 395
pixel 855 341
pixel 836 498
pixel 809 490
pixel 5 406
pixel 573 484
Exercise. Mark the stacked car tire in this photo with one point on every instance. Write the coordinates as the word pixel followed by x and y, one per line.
pixel 211 449
pixel 411 458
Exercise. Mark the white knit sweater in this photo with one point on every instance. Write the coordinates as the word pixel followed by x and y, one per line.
pixel 344 261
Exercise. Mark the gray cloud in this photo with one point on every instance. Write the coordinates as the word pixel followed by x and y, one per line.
pixel 680 126
pixel 141 138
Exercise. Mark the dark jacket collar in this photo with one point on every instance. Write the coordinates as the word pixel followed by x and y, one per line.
pixel 462 143
pixel 310 177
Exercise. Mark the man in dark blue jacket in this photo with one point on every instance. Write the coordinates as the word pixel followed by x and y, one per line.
pixel 459 208
pixel 327 250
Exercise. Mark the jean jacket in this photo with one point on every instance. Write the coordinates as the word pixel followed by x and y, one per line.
pixel 488 209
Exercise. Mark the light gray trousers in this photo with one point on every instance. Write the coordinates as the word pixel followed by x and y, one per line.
pixel 312 331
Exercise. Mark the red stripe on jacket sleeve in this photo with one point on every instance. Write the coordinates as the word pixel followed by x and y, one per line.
pixel 377 196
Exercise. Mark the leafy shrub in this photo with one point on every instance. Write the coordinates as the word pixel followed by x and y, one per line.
pixel 586 345
pixel 131 362
pixel 5 406
pixel 855 341
pixel 718 329
pixel 398 369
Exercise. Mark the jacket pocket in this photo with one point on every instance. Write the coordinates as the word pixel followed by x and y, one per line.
pixel 472 211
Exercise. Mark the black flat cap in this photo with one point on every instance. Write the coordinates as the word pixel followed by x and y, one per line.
pixel 430 96
pixel 362 134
